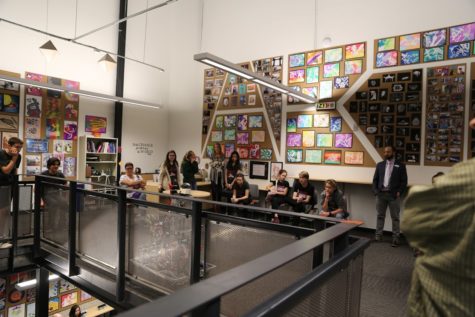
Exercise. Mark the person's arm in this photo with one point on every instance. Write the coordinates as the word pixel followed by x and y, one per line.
pixel 194 167
pixel 376 180
pixel 12 164
pixel 246 195
pixel 129 182
pixel 163 174
pixel 233 199
pixel 284 193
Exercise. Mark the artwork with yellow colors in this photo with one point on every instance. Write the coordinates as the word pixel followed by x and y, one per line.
pixel 308 138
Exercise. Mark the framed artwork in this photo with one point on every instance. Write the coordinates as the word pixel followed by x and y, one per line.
pixel 229 135
pixel 242 89
pixel 30 310
pixel 230 121
pixel 354 157
pixel 326 89
pixel 386 59
pixel 242 122
pixel 258 136
pixel 251 88
pixel 294 156
pixel 70 131
pixel 353 67
pixel 332 157
pixel 386 44
pixel 410 57
pixel 254 151
pixel 36 145
pixel 311 91
pixel 216 136
pixel 304 121
pixel 434 54
pixel 53 129
pixel 16 311
pixel 355 51
pixel 297 76
pixel 410 42
pixel 228 149
pixel 243 152
pixel 458 50
pixel 209 151
pixel 313 156
pixel 69 299
pixel 275 167
pixel 344 140
pixel 297 60
pixel 321 120
pixel 324 140
pixel 242 138
pixel 342 82
pixel 11 103
pixel 255 122
pixel 462 33
pixel 308 138
pixel 6 136
pixel 291 125
pixel 294 139
pixel 8 122
pixel 219 122
pixel 335 124
pixel 333 55
pixel 71 111
pixel 314 58
pixel 53 304
pixel 65 286
pixel 259 170
pixel 331 70
pixel 266 154
pixel 435 38
pixel 96 124
pixel 85 296
pixel 313 74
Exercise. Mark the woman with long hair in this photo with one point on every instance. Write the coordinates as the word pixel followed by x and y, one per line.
pixel 169 172
pixel 75 311
pixel 189 167
pixel 217 172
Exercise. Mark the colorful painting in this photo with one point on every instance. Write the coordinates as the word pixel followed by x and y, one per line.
pixel 258 136
pixel 230 135
pixel 229 149
pixel 332 157
pixel 313 156
pixel 70 84
pixel 8 122
pixel 69 299
pixel 434 54
pixel 11 103
pixel 458 50
pixel 230 121
pixel 266 154
pixel 354 158
pixel 335 124
pixel 386 59
pixel 333 55
pixel 294 139
pixel 85 296
pixel 52 108
pixel 297 76
pixel 242 138
pixel 386 44
pixel 294 156
pixel 210 151
pixel 308 138
pixel 355 50
pixel 326 89
pixel 297 60
pixel 310 91
pixel 242 89
pixel 69 166
pixel 304 121
pixel 216 136
pixel 243 152
pixel 53 304
pixel 96 124
pixel 342 82
pixel 254 151
pixel 242 122
pixel 324 140
pixel 251 87
pixel 410 57
pixel 313 74
pixel 344 140
pixel 462 33
pixel 321 120
pixel 331 70
pixel 292 125
pixel 5 137
pixel 65 286
pixel 255 122
pixel 314 58
pixel 435 38
pixel 71 111
pixel 70 130
pixel 33 106
pixel 16 311
pixel 219 122
pixel 68 147
pixel 32 128
pixel 36 145
pixel 33 166
pixel 353 67
pixel 410 42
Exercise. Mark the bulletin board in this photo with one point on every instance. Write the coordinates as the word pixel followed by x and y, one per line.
pixel 445 122
pixel 9 108
pixel 388 109
pixel 50 126
pixel 327 73
pixel 424 47
pixel 471 152
pixel 323 137
pixel 14 302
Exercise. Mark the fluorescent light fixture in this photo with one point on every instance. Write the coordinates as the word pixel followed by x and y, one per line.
pixel 48 50
pixel 91 94
pixel 220 63
pixel 30 283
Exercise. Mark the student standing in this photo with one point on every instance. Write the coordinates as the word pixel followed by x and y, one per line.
pixel 217 172
pixel 169 172
pixel 189 167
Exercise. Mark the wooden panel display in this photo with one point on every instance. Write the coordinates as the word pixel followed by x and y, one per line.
pixel 323 137
pixel 445 122
pixel 471 152
pixel 424 47
pixel 388 109
pixel 213 83
pixel 9 108
pixel 326 74
pixel 50 126
pixel 245 133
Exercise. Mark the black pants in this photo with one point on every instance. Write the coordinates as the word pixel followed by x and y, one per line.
pixel 298 207
pixel 278 200
pixel 217 190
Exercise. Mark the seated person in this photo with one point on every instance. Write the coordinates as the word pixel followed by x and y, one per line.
pixel 303 193
pixel 279 190
pixel 241 193
pixel 333 201
pixel 53 165
pixel 131 180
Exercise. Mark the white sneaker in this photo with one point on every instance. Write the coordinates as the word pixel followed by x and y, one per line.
pixel 5 245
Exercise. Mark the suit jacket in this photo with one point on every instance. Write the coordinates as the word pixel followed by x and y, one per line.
pixel 439 220
pixel 397 182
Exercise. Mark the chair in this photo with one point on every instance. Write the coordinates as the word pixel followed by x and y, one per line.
pixel 110 180
pixel 101 180
pixel 254 192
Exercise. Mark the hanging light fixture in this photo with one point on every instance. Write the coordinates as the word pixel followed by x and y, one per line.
pixel 48 50
pixel 107 63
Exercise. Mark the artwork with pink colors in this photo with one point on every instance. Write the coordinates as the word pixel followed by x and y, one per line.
pixel 71 111
pixel 294 139
pixel 35 91
pixel 353 67
pixel 344 140
pixel 70 130
pixel 355 50
pixel 333 55
pixel 354 158
pixel 462 33
pixel 242 138
pixel 254 151
pixel 386 59
pixel 410 42
pixel 71 84
pixel 310 91
pixel 332 157
pixel 229 149
pixel 314 58
pixel 435 38
pixel 243 152
pixel 34 77
pixel 297 76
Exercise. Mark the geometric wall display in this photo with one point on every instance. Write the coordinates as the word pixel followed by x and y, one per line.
pixel 471 152
pixel 323 137
pixel 388 109
pixel 445 115
pixel 326 74
pixel 50 125
pixel 423 47
pixel 9 108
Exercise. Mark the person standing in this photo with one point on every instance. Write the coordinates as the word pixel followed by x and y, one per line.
pixel 189 167
pixel 217 172
pixel 389 184
pixel 169 175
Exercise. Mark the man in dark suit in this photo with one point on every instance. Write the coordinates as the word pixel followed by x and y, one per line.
pixel 389 183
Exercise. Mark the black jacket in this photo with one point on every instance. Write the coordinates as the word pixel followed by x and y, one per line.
pixel 397 182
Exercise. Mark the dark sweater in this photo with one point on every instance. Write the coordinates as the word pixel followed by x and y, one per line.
pixel 189 169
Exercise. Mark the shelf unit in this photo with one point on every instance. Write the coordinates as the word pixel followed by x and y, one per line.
pixel 98 153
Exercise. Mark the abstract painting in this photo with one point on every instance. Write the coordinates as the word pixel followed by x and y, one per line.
pixel 216 136
pixel 95 124
pixel 321 120
pixel 324 140
pixel 386 59
pixel 297 60
pixel 228 149
pixel 313 74
pixel 254 151
pixel 69 299
pixel 344 140
pixel 70 130
pixel 354 158
pixel 33 106
pixel 11 103
pixel 331 70
pixel 333 55
pixel 410 42
pixel 308 138
pixel 243 152
pixel 313 156
pixel 310 91
pixel 332 157
pixel 335 124
pixel 229 135
pixel 292 125
pixel 304 121
pixel 458 50
pixel 219 122
pixel 294 139
pixel 355 50
pixel 266 154
pixel 386 44
pixel 410 57
pixel 353 67
pixel 342 82
pixel 294 156
pixel 242 138
pixel 435 38
pixel 462 33
pixel 258 136
pixel 230 121
pixel 326 89
pixel 314 58
pixel 53 129
pixel 433 54
pixel 242 122
pixel 297 76
pixel 255 122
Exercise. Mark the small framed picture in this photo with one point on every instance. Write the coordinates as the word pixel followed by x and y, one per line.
pixel 259 170
pixel 275 167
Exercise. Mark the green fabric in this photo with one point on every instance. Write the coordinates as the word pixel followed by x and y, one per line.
pixel 439 220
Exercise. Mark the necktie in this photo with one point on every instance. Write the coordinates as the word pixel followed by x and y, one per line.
pixel 387 173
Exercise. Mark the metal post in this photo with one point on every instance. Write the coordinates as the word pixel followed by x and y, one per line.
pixel 121 237
pixel 211 309
pixel 14 224
pixel 72 268
pixel 195 242
pixel 42 291
pixel 37 218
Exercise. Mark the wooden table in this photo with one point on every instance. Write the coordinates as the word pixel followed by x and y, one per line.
pixel 153 187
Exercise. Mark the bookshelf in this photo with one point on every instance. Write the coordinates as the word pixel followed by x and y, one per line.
pixel 100 154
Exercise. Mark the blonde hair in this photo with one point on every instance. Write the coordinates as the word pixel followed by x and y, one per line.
pixel 304 174
pixel 332 183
